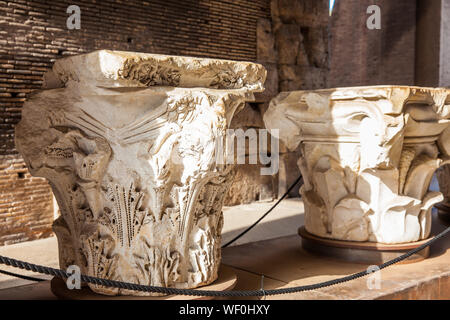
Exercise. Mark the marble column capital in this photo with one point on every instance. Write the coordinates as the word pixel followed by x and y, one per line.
pixel 128 142
pixel 368 156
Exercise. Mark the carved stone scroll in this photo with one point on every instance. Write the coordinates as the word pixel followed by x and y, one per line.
pixel 128 143
pixel 368 157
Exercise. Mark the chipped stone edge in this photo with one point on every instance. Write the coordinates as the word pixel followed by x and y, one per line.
pixel 115 69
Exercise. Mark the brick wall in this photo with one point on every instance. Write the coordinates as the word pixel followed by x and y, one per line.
pixel 359 56
pixel 300 29
pixel 26 208
pixel 293 46
pixel 33 35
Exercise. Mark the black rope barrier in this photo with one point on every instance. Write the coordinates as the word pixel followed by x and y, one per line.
pixel 265 214
pixel 211 293
pixel 21 276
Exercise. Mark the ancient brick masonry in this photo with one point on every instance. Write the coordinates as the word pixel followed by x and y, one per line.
pixel 33 35
pixel 293 46
pixel 359 56
pixel 26 209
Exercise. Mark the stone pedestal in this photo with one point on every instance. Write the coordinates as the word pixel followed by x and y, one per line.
pixel 129 143
pixel 368 156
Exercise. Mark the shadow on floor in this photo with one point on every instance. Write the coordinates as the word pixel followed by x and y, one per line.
pixel 266 230
pixel 283 259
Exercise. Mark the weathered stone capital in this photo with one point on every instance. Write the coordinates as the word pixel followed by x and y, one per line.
pixel 368 156
pixel 128 143
pixel 120 69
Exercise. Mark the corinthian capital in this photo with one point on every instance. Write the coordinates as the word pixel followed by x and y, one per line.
pixel 368 156
pixel 128 143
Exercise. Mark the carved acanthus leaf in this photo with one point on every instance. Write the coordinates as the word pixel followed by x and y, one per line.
pixel 126 216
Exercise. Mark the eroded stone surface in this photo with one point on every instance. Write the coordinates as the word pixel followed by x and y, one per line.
pixel 368 156
pixel 444 183
pixel 128 143
pixel 443 174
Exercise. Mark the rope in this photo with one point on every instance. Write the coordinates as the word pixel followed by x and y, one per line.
pixel 224 246
pixel 212 293
pixel 265 214
pixel 21 276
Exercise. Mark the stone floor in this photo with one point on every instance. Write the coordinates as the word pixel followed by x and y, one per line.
pixel 274 249
pixel 284 264
pixel 43 252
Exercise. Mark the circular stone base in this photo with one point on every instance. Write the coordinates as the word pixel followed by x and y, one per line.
pixel 226 281
pixel 443 212
pixel 360 252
